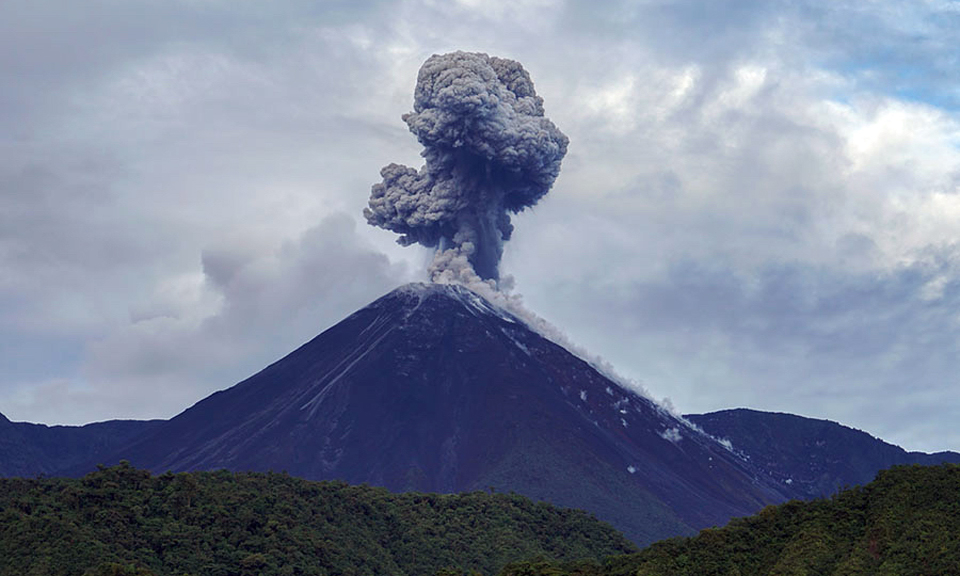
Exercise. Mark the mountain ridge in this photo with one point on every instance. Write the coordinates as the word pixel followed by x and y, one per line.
pixel 815 457
pixel 433 388
pixel 28 449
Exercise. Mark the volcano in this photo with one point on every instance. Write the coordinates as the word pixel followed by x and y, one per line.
pixel 433 388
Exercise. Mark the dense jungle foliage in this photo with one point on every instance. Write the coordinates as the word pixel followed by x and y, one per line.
pixel 904 523
pixel 121 521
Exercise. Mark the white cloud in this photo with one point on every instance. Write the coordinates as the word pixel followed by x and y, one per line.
pixel 204 331
pixel 758 206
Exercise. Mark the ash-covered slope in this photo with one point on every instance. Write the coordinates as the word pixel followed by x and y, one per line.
pixel 811 457
pixel 432 388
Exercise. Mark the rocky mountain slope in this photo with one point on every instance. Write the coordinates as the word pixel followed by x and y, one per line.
pixel 432 388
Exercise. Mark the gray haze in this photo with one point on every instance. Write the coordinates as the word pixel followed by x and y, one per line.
pixel 759 205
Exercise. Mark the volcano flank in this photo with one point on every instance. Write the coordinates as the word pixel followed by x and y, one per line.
pixel 433 388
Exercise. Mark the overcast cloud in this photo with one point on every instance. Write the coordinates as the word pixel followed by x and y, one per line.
pixel 759 205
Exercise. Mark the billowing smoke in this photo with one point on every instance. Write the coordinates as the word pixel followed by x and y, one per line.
pixel 489 152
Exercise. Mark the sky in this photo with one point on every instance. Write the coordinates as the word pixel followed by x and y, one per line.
pixel 759 207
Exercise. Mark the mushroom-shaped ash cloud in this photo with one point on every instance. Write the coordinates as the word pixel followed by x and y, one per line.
pixel 489 152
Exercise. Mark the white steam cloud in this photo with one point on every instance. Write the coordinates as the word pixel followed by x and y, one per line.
pixel 489 152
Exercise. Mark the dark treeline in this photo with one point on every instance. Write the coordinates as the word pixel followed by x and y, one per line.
pixel 906 522
pixel 124 521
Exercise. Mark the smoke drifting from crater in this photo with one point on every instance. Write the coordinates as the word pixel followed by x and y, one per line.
pixel 489 152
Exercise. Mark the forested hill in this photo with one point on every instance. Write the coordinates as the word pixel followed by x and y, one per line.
pixel 225 523
pixel 905 522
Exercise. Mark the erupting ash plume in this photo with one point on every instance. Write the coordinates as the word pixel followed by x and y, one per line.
pixel 489 151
